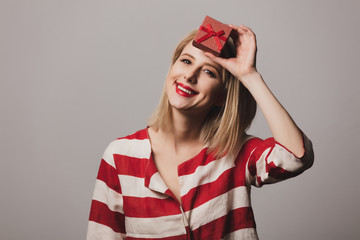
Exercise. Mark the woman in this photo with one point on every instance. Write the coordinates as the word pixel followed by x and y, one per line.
pixel 188 175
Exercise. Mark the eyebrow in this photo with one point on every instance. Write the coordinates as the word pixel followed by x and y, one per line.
pixel 191 56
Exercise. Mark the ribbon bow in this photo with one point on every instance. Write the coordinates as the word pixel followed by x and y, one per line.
pixel 211 32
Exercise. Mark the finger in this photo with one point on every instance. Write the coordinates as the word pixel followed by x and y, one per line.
pixel 219 60
pixel 236 34
pixel 248 30
pixel 238 29
pixel 244 27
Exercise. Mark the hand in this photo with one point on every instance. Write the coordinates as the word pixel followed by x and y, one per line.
pixel 245 61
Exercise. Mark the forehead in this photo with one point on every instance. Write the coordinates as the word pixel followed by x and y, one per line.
pixel 199 55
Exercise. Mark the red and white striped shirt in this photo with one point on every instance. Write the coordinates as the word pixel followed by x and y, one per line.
pixel 131 200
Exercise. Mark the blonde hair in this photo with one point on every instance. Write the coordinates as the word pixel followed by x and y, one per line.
pixel 224 126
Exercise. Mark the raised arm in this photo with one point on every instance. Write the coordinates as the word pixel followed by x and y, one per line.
pixel 243 67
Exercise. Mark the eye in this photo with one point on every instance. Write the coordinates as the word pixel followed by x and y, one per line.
pixel 210 73
pixel 186 61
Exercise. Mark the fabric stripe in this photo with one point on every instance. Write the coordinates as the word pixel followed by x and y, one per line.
pixel 245 233
pixel 181 237
pixel 156 183
pixel 280 173
pixel 250 178
pixel 218 207
pixel 190 166
pixel 262 170
pixel 104 194
pixel 130 166
pixel 156 228
pixel 141 134
pixel 205 174
pixel 97 231
pixel 252 159
pixel 132 148
pixel 237 219
pixel 100 213
pixel 206 192
pixel 134 187
pixel 108 156
pixel 108 174
pixel 284 159
pixel 261 163
pixel 150 207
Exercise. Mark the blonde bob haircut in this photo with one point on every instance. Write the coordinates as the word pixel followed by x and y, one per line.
pixel 224 127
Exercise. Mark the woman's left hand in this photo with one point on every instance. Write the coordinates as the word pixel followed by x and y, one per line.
pixel 245 61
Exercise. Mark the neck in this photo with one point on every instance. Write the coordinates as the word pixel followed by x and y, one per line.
pixel 186 128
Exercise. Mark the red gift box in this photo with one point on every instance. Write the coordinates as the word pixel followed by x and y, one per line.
pixel 212 36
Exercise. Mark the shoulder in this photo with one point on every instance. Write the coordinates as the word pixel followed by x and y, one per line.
pixel 139 135
pixel 251 143
pixel 135 145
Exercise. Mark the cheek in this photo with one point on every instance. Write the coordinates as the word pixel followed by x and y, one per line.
pixel 169 84
pixel 172 75
pixel 214 88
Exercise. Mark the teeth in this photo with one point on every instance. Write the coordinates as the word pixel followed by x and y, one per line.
pixel 184 90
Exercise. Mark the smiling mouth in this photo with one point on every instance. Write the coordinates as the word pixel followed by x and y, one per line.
pixel 184 90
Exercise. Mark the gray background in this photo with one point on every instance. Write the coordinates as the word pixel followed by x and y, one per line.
pixel 77 74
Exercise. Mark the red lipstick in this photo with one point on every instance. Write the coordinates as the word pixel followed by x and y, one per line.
pixel 184 90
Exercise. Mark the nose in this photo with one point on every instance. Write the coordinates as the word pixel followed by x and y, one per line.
pixel 191 76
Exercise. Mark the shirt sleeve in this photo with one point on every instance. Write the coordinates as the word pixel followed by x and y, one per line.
pixel 270 162
pixel 107 220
